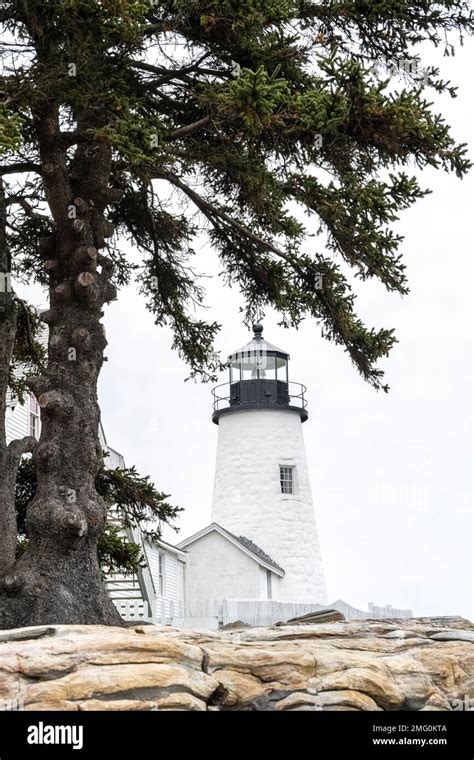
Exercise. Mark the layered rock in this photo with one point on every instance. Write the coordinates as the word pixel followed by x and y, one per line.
pixel 419 664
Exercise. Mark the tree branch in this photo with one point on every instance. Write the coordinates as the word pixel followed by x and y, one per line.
pixel 20 201
pixel 189 129
pixel 19 168
pixel 67 139
pixel 21 446
pixel 212 212
pixel 167 75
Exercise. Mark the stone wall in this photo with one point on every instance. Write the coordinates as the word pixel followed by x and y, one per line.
pixel 419 664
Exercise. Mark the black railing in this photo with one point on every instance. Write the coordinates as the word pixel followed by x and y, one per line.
pixel 231 395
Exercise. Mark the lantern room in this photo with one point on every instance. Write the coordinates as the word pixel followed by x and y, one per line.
pixel 258 378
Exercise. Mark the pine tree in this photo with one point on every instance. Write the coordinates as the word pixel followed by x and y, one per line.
pixel 248 110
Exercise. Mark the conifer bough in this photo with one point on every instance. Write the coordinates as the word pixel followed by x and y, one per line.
pixel 254 113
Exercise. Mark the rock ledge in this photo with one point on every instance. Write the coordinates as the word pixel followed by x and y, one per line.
pixel 417 664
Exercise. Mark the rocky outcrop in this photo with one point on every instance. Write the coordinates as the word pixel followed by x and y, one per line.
pixel 419 664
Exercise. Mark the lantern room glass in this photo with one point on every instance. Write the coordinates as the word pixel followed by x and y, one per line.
pixel 282 369
pixel 256 365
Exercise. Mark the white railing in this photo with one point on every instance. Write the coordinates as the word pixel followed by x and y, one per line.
pixel 129 591
pixel 145 578
pixel 132 610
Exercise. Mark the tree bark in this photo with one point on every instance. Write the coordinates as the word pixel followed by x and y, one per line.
pixel 58 579
pixel 7 339
pixel 8 530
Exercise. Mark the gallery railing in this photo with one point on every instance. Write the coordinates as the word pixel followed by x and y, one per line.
pixel 267 393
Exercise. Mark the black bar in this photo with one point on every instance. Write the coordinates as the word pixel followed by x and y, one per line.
pixel 313 734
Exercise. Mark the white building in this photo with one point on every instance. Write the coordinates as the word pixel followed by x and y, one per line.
pixel 221 564
pixel 22 419
pixel 263 541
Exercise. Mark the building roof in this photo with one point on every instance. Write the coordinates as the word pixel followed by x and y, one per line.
pixel 258 345
pixel 160 544
pixel 257 551
pixel 242 543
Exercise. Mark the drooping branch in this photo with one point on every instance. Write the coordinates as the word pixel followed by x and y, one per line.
pixel 324 289
pixel 32 346
pixel 213 213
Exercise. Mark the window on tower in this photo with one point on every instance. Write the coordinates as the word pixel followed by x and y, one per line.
pixel 286 479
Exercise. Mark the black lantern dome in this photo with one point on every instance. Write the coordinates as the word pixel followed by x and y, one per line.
pixel 258 379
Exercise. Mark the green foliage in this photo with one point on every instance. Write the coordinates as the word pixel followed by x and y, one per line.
pixel 116 554
pixel 29 353
pixel 25 489
pixel 137 500
pixel 132 499
pixel 133 137
pixel 10 130
pixel 256 114
pixel 255 97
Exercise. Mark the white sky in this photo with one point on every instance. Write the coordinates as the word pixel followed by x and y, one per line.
pixel 390 473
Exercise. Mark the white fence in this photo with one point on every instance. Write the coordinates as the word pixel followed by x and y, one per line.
pixel 204 608
pixel 265 612
pixel 251 612
pixel 257 613
pixel 388 612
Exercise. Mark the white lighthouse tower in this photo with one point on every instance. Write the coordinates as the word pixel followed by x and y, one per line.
pixel 262 488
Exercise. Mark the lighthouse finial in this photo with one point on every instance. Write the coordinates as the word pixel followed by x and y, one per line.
pixel 257 330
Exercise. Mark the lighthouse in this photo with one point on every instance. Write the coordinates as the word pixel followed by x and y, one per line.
pixel 262 490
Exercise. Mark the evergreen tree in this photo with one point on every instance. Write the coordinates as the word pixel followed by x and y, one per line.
pixel 248 110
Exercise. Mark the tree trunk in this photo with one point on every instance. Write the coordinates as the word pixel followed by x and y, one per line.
pixel 7 339
pixel 8 529
pixel 58 579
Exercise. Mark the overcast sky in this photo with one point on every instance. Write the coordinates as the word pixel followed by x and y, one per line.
pixel 390 473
